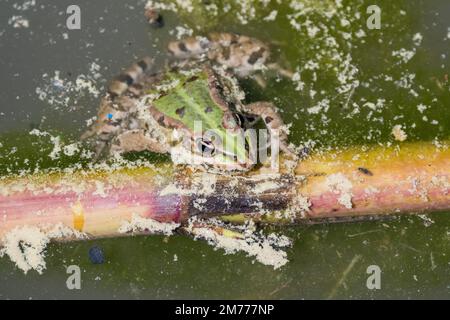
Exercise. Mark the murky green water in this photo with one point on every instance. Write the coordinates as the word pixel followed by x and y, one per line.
pixel 356 85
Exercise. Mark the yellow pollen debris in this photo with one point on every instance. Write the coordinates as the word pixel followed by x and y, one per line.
pixel 78 216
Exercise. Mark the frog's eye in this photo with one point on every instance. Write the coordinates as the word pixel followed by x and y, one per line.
pixel 205 147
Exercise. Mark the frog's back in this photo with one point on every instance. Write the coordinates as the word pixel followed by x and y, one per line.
pixel 189 98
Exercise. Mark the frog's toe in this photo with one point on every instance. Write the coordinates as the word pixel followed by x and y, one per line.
pixel 280 70
pixel 102 148
pixel 289 150
pixel 87 135
pixel 260 80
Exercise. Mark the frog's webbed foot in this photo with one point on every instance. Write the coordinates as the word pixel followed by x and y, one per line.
pixel 274 123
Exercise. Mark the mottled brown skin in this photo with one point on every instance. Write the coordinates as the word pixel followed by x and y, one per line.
pixel 118 130
pixel 241 54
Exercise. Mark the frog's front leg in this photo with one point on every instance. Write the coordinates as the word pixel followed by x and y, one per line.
pixel 137 140
pixel 273 121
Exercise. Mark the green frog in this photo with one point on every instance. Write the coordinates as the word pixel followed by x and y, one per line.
pixel 192 110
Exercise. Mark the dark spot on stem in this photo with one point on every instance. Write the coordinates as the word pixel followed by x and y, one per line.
pixel 365 171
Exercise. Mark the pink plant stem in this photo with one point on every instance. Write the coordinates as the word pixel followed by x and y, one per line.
pixel 413 178
pixel 349 183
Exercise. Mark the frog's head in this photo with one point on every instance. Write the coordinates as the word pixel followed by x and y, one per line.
pixel 225 148
pixel 222 149
pixel 207 128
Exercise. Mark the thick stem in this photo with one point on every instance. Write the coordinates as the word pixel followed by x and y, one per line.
pixel 409 178
pixel 348 183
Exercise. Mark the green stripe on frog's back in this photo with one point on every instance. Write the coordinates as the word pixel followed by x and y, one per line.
pixel 191 101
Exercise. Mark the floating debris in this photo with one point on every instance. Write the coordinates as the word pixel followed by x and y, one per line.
pixel 96 255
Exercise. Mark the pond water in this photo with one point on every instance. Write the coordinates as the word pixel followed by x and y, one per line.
pixel 353 85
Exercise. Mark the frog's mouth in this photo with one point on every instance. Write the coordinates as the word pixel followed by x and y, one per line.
pixel 234 154
pixel 217 160
pixel 225 151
